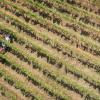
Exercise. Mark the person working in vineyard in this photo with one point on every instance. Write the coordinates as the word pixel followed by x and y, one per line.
pixel 7 38
pixel 3 47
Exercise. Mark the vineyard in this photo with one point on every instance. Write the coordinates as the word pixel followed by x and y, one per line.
pixel 55 50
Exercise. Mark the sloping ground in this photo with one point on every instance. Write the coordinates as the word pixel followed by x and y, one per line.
pixel 56 50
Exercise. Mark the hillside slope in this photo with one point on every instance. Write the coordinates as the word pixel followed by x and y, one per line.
pixel 55 50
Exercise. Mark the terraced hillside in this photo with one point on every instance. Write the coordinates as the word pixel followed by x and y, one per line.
pixel 55 54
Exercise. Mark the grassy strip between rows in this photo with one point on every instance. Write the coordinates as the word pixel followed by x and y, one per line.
pixel 52 14
pixel 81 56
pixel 72 9
pixel 51 88
pixel 52 58
pixel 96 2
pixel 92 3
pixel 56 16
pixel 3 97
pixel 76 39
pixel 88 93
pixel 15 81
pixel 7 92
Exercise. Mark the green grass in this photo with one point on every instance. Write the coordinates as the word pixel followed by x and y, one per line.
pixel 96 2
pixel 57 65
